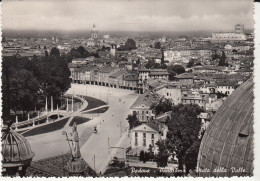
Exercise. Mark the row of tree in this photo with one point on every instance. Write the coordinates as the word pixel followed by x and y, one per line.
pixel 26 82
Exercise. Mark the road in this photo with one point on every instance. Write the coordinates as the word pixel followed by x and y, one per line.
pixel 52 144
pixel 96 151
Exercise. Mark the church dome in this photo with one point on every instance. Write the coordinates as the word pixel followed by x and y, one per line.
pixel 16 149
pixel 227 145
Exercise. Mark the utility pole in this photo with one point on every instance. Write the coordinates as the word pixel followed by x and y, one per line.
pixel 108 144
pixel 94 163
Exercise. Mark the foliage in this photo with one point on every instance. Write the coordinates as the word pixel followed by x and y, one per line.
pixel 157 45
pixel 129 45
pixel 214 55
pixel 162 156
pixel 117 163
pixel 164 105
pixel 151 64
pixel 184 129
pixel 55 52
pixel 27 82
pixel 174 70
pixel 144 156
pixel 222 59
pixel 133 121
pixel 190 63
pixel 151 153
pixel 191 156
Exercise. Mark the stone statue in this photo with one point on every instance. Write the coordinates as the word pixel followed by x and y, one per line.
pixel 75 142
pixel 74 146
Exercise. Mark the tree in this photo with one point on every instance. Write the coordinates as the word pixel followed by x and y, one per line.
pixel 191 156
pixel 144 156
pixel 23 90
pixel 55 52
pixel 191 63
pixel 164 105
pixel 222 59
pixel 129 45
pixel 178 69
pixel 151 152
pixel 214 55
pixel 46 53
pixel 184 129
pixel 162 156
pixel 26 83
pixel 157 45
pixel 133 121
pixel 174 70
pixel 151 64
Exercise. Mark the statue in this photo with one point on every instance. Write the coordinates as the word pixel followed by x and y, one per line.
pixel 74 146
pixel 76 165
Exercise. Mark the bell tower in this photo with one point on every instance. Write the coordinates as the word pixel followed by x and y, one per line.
pixel 94 32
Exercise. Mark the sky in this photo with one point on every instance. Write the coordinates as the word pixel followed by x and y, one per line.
pixel 127 15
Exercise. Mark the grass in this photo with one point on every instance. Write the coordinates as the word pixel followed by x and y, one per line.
pixel 78 120
pixel 93 103
pixel 101 110
pixel 47 128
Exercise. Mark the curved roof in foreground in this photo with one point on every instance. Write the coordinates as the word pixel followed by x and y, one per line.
pixel 227 145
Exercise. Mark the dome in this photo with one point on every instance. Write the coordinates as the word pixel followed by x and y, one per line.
pixel 16 149
pixel 227 145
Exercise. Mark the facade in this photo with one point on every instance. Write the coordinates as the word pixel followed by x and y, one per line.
pixel 185 79
pixel 228 37
pixel 171 92
pixel 226 87
pixel 147 134
pixel 142 106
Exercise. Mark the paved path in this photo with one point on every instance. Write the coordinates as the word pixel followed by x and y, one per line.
pixel 109 134
pixel 52 144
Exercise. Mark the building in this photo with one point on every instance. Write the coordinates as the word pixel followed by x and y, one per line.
pixel 226 87
pixel 195 98
pixel 145 135
pixel 94 32
pixel 228 37
pixel 142 106
pixel 172 92
pixel 239 28
pixel 228 140
pixel 185 78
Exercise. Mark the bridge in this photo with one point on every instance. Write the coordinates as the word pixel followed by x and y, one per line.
pixel 44 118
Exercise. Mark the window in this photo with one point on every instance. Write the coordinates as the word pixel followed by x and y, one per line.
pixel 144 139
pixel 136 139
pixel 147 112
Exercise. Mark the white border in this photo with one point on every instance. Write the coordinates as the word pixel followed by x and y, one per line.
pixel 256 176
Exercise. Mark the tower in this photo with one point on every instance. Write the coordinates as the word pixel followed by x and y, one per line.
pixel 94 32
pixel 113 50
pixel 239 28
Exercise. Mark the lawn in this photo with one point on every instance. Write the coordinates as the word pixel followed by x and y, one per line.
pixel 78 120
pixel 47 128
pixel 93 103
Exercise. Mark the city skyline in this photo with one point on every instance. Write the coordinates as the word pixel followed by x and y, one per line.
pixel 163 15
